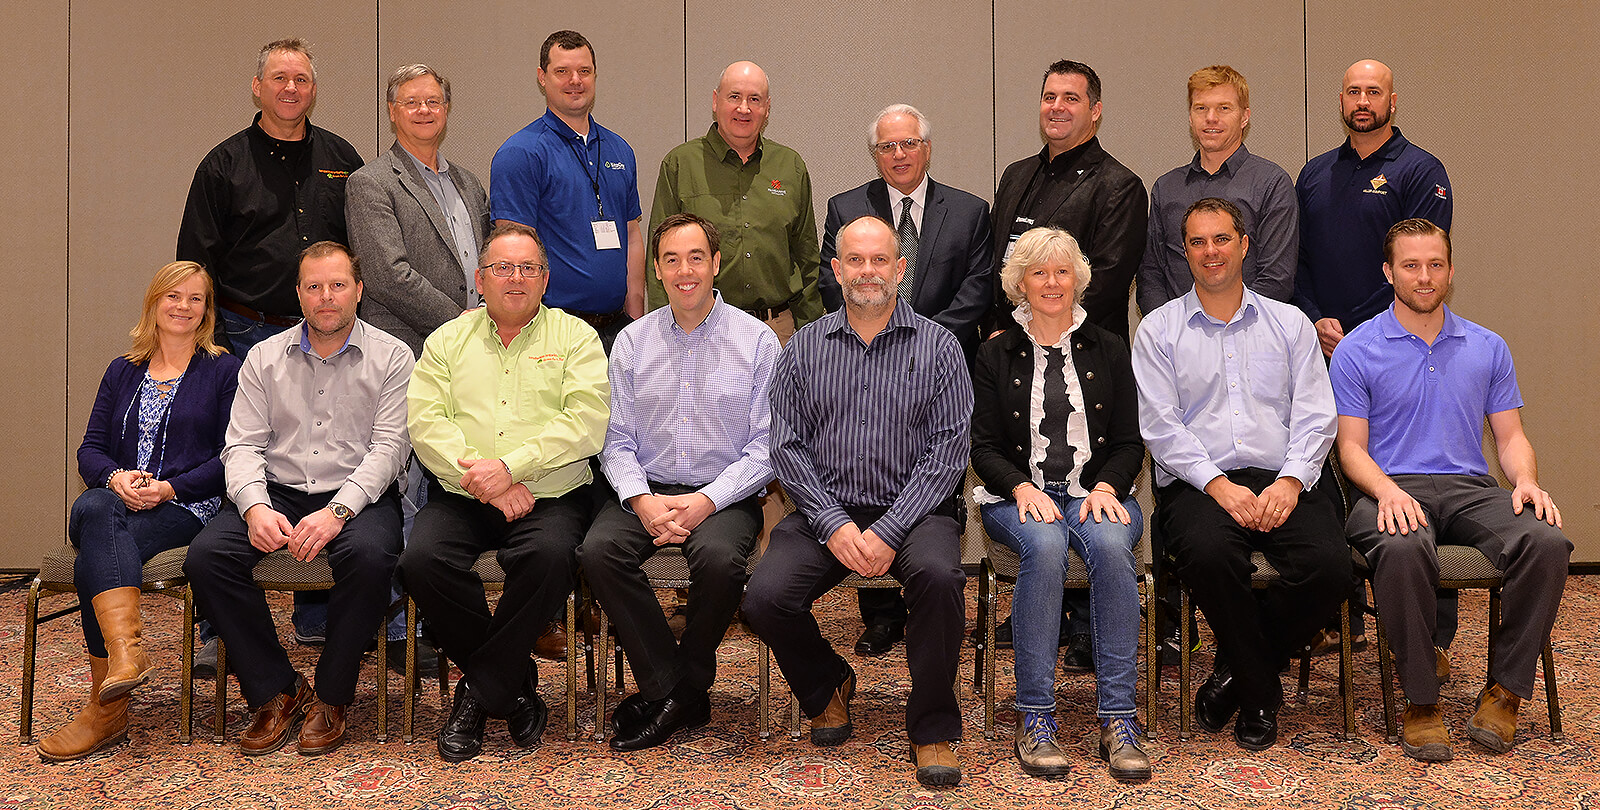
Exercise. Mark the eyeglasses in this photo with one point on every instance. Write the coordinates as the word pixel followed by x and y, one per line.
pixel 505 269
pixel 907 145
pixel 414 104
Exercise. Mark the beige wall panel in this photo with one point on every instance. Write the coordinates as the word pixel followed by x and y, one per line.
pixel 1144 56
pixel 135 143
pixel 832 70
pixel 492 60
pixel 1486 75
pixel 33 204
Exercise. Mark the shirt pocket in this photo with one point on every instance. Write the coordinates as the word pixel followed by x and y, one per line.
pixel 353 415
pixel 539 391
pixel 1269 378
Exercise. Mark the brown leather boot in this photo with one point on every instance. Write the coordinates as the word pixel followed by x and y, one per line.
pixel 937 765
pixel 98 725
pixel 117 610
pixel 1423 735
pixel 1494 724
pixel 552 644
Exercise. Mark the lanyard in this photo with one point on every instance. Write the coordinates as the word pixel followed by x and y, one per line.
pixel 594 180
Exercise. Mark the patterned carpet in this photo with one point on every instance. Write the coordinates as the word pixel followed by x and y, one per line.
pixel 725 766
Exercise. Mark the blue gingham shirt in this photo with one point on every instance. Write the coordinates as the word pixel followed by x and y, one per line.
pixel 691 408
pixel 883 425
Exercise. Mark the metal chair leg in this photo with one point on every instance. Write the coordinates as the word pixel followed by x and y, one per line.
pixel 383 676
pixel 186 673
pixel 794 716
pixel 30 647
pixel 1152 655
pixel 1302 689
pixel 986 653
pixel 983 611
pixel 1346 663
pixel 602 656
pixel 572 669
pixel 409 708
pixel 1554 703
pixel 1186 618
pixel 219 721
pixel 763 691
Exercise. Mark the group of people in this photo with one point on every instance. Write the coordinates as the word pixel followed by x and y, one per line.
pixel 580 390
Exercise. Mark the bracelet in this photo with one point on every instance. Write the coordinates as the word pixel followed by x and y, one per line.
pixel 1109 490
pixel 113 474
pixel 1020 486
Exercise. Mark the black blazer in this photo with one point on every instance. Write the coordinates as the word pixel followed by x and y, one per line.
pixel 1105 208
pixel 1002 379
pixel 953 284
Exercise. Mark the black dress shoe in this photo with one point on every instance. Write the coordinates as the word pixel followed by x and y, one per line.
pixel 674 715
pixel 527 718
pixel 878 639
pixel 1215 701
pixel 630 712
pixel 1079 656
pixel 462 736
pixel 1256 729
pixel 427 658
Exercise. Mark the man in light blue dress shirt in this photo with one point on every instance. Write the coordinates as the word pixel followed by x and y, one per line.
pixel 686 451
pixel 1235 404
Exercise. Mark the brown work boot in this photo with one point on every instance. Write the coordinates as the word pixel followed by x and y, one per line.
pixel 117 611
pixel 1038 751
pixel 1423 735
pixel 1122 747
pixel 832 727
pixel 1441 664
pixel 269 728
pixel 553 644
pixel 937 765
pixel 98 725
pixel 323 729
pixel 1494 724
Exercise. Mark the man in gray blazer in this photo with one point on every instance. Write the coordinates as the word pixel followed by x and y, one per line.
pixel 945 239
pixel 415 220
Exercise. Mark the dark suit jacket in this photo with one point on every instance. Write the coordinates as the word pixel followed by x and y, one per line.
pixel 1002 383
pixel 1105 208
pixel 413 278
pixel 953 281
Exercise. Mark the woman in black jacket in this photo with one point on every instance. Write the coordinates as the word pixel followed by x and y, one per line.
pixel 1055 438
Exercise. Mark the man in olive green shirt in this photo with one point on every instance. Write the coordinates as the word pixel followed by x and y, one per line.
pixel 506 406
pixel 758 194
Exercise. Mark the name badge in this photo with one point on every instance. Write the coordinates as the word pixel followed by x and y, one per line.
pixel 605 235
pixel 1018 227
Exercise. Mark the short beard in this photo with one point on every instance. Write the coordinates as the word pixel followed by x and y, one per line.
pixel 1379 121
pixel 857 297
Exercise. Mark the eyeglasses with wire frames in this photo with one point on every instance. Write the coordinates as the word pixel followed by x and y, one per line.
pixel 414 104
pixel 908 145
pixel 506 269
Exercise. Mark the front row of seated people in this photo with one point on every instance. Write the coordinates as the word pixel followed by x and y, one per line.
pixel 869 426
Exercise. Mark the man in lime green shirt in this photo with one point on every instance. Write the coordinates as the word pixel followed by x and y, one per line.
pixel 506 406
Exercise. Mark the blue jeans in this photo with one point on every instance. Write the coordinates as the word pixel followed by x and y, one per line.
pixel 1107 551
pixel 114 543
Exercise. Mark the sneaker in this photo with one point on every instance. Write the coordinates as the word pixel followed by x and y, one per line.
pixel 1038 751
pixel 1122 747
pixel 311 636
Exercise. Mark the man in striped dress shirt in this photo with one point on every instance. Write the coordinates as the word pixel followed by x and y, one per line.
pixel 871 409
pixel 686 452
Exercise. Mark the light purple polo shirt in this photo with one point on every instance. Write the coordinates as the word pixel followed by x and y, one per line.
pixel 1424 405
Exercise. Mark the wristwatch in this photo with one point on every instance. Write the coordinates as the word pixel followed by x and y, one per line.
pixel 340 511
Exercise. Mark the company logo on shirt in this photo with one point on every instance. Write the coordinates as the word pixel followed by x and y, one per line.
pixel 543 358
pixel 333 174
pixel 611 164
pixel 1441 193
pixel 777 189
pixel 1377 185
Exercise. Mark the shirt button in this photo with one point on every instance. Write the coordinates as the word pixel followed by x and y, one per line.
pixel 1099 406
pixel 1019 448
pixel 747 256
pixel 502 402
pixel 1101 440
pixel 1088 375
pixel 1233 385
pixel 313 480
pixel 314 452
pixel 1016 415
pixel 319 392
pixel 501 433
pixel 319 423
pixel 1016 383
pixel 1430 368
pixel 1079 347
pixel 744 196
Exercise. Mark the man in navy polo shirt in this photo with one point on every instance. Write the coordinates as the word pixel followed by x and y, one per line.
pixel 1349 197
pixel 1413 387
pixel 575 182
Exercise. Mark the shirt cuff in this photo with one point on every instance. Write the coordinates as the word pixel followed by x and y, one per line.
pixel 720 493
pixel 889 531
pixel 830 521
pixel 351 495
pixel 251 494
pixel 1204 473
pixel 1305 473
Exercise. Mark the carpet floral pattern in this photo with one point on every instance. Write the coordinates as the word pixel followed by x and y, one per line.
pixel 724 766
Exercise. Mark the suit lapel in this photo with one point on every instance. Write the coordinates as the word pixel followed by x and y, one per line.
pixel 411 180
pixel 933 211
pixel 878 201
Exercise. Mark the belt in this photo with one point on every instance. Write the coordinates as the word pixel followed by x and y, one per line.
pixel 259 317
pixel 598 320
pixel 768 313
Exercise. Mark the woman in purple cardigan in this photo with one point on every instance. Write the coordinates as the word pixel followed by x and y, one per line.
pixel 151 459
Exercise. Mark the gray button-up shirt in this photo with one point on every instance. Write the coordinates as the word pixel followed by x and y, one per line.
pixel 456 214
pixel 1265 196
pixel 319 425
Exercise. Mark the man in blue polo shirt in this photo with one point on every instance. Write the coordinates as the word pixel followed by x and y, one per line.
pixel 575 182
pixel 1413 387
pixel 1349 197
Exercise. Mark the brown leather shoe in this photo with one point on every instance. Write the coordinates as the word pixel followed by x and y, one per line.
pixel 1494 725
pixel 98 725
pixel 323 729
pixel 1423 734
pixel 553 644
pixel 833 727
pixel 117 611
pixel 269 728
pixel 1441 664
pixel 937 765
pixel 1122 747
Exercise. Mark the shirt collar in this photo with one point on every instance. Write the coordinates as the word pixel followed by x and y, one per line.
pixel 1066 159
pixel 1390 326
pixel 257 132
pixel 486 326
pixel 560 127
pixel 444 167
pixel 1388 151
pixel 1024 316
pixel 1229 167
pixel 355 339
pixel 1192 308
pixel 723 150
pixel 918 195
pixel 713 318
pixel 902 317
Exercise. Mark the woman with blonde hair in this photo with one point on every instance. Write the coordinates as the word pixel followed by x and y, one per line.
pixel 151 457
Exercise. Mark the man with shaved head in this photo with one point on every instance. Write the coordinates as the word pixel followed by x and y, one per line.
pixel 871 407
pixel 758 195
